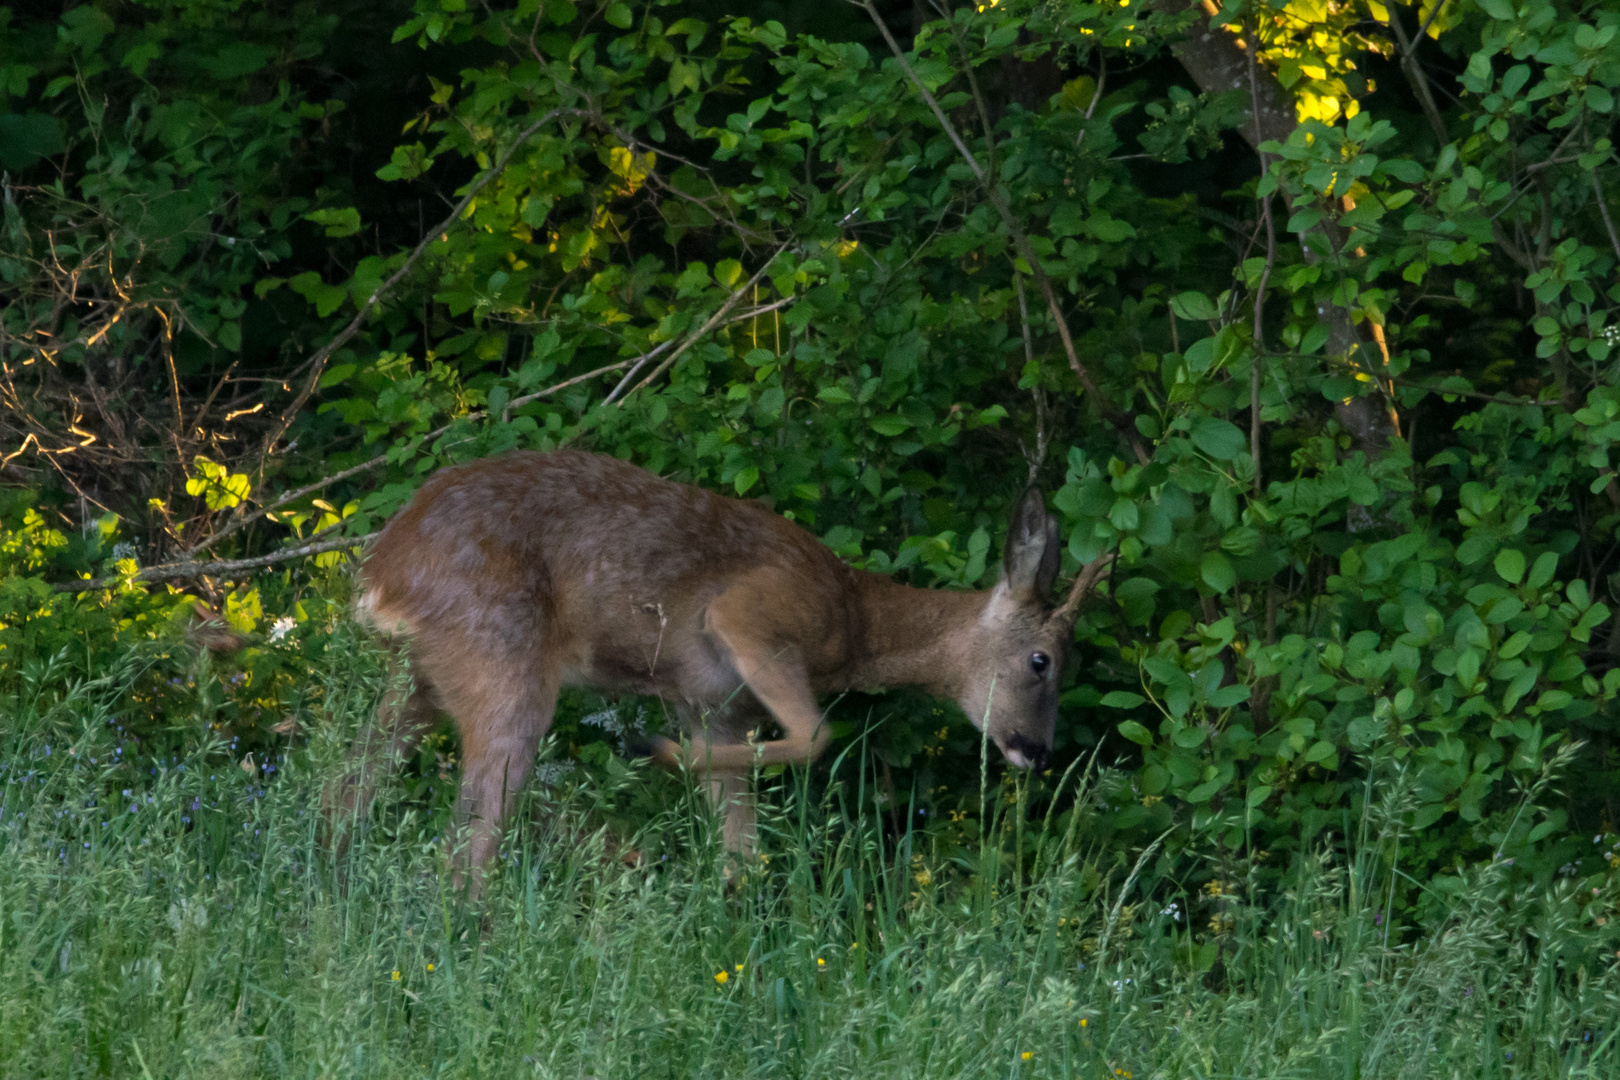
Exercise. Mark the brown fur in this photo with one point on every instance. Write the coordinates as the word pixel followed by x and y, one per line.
pixel 511 577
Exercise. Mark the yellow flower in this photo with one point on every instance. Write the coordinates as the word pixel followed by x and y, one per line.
pixel 721 977
pixel 430 967
pixel 396 976
pixel 820 963
pixel 1084 1022
pixel 738 967
pixel 1027 1054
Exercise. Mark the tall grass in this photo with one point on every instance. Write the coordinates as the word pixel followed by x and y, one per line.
pixel 181 917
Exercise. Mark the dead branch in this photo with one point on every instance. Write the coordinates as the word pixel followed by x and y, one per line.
pixel 215 567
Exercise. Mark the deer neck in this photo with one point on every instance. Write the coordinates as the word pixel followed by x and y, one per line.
pixel 911 637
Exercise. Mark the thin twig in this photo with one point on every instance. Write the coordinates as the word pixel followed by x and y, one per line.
pixel 1424 29
pixel 506 410
pixel 1043 437
pixel 1122 421
pixel 709 324
pixel 215 567
pixel 1603 208
pixel 1265 279
pixel 292 496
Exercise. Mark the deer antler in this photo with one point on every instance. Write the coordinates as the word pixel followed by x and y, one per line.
pixel 1084 582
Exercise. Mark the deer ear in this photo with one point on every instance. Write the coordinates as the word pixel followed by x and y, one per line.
pixel 1033 554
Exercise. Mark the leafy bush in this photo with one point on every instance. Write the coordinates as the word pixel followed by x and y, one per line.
pixel 1341 400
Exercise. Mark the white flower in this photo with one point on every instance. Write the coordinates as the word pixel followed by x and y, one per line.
pixel 282 627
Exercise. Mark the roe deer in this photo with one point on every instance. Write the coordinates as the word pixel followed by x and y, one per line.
pixel 513 576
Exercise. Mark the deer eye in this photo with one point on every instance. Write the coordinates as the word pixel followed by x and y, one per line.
pixel 1039 662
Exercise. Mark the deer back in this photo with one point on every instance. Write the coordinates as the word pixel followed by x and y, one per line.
pixel 599 572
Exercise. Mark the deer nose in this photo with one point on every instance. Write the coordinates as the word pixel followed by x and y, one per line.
pixel 1025 754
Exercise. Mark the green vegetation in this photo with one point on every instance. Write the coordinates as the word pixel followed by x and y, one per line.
pixel 1307 313
pixel 167 915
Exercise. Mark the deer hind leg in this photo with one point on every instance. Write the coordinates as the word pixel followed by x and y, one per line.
pixel 404 716
pixel 501 724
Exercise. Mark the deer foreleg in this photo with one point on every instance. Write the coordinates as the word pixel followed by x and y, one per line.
pixel 776 676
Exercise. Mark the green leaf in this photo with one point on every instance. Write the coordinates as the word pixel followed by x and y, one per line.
pixel 620 15
pixel 1216 570
pixel 1546 566
pixel 1194 305
pixel 1136 733
pixel 1220 439
pixel 338 222
pixel 1510 564
pixel 27 137
pixel 236 59
pixel 1122 699
pixel 1109 230
pixel 1554 699
pixel 745 479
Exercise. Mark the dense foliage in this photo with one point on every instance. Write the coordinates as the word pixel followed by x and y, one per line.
pixel 1341 402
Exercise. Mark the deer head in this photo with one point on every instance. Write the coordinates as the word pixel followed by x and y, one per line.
pixel 1015 651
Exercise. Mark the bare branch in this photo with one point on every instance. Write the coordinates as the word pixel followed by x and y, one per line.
pixel 506 411
pixel 1603 208
pixel 290 497
pixel 709 324
pixel 216 567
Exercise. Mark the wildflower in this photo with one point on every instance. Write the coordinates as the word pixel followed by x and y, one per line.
pixel 1027 1055
pixel 281 627
pixel 721 976
pixel 396 975
pixel 430 967
pixel 738 968
pixel 1084 1022
pixel 820 963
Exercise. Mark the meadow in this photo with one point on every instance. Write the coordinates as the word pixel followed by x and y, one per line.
pixel 179 914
